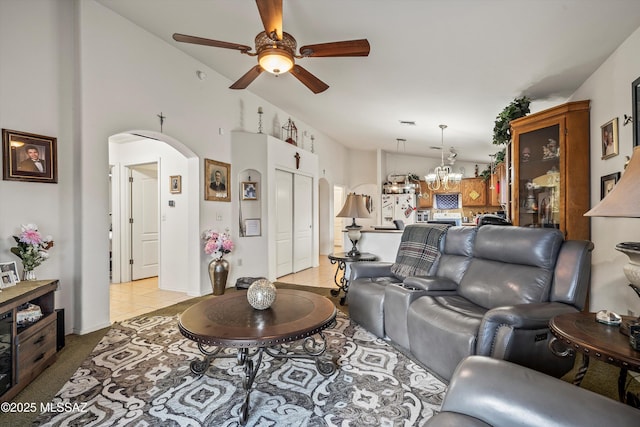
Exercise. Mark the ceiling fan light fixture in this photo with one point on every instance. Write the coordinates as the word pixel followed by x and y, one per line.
pixel 275 60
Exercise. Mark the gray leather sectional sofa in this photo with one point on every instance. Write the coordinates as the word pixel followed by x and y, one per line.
pixel 491 291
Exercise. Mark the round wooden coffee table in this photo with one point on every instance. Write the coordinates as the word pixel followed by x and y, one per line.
pixel 580 333
pixel 228 321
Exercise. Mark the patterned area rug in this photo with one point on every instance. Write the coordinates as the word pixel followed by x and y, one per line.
pixel 139 375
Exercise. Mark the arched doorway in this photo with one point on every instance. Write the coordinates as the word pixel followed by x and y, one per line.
pixel 178 246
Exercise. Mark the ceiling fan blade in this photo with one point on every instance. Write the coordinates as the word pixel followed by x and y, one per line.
pixel 309 80
pixel 271 15
pixel 208 42
pixel 246 80
pixel 344 48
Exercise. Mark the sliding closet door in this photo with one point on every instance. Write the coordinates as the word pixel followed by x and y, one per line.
pixel 284 223
pixel 302 222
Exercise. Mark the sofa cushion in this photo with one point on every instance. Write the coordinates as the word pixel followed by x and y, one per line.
pixel 457 252
pixel 419 249
pixel 511 265
pixel 442 331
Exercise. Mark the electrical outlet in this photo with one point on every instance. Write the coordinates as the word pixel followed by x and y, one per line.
pixel 218 216
pixel 239 262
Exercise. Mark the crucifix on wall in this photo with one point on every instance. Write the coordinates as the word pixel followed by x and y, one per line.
pixel 161 117
pixel 297 156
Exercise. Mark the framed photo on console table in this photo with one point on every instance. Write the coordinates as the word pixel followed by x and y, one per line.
pixel 29 157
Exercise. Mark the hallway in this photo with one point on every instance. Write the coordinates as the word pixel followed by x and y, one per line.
pixel 130 299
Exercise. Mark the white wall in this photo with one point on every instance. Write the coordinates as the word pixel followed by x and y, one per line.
pixel 609 90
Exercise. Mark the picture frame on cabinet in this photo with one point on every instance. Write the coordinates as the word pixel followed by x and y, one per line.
pixel 217 181
pixel 10 267
pixel 7 279
pixel 249 190
pixel 635 110
pixel 607 183
pixel 29 157
pixel 175 184
pixel 609 138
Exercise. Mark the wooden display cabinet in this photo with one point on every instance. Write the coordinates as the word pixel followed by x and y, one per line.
pixel 32 347
pixel 550 161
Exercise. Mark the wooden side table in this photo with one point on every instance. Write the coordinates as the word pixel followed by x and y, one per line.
pixel 342 258
pixel 580 333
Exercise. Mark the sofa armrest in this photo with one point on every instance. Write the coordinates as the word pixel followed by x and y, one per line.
pixel 525 316
pixel 370 269
pixel 431 284
pixel 501 393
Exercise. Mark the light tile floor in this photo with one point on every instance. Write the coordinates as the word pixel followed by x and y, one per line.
pixel 132 299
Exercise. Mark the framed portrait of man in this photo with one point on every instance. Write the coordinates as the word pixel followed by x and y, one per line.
pixel 217 181
pixel 609 133
pixel 29 157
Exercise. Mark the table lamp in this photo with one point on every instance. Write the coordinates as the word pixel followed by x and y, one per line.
pixel 353 208
pixel 623 201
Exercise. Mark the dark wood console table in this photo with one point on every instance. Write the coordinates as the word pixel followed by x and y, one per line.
pixel 27 349
pixel 342 258
pixel 580 333
pixel 228 321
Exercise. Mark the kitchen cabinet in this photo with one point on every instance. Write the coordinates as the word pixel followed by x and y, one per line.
pixel 32 347
pixel 474 192
pixel 550 165
pixel 498 187
pixel 425 197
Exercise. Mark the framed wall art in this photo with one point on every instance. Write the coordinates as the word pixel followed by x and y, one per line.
pixel 175 184
pixel 217 181
pixel 29 157
pixel 607 183
pixel 635 110
pixel 249 190
pixel 609 134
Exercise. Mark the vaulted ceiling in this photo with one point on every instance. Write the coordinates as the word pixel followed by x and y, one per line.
pixel 453 62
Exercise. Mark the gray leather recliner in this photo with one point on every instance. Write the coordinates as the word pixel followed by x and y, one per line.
pixel 485 392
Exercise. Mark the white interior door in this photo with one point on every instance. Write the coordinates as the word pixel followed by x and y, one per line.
pixel 144 221
pixel 302 222
pixel 284 223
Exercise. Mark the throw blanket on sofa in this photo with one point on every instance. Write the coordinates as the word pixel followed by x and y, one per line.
pixel 418 249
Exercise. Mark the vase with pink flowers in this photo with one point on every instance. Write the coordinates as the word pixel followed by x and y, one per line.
pixel 32 249
pixel 217 245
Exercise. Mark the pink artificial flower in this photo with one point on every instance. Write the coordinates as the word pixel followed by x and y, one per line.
pixel 227 246
pixel 30 236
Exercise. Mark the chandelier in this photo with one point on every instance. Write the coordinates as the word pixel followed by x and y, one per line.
pixel 442 177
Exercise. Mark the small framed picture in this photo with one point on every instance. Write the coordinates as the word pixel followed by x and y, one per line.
pixel 252 227
pixel 7 279
pixel 29 157
pixel 249 190
pixel 607 183
pixel 10 267
pixel 217 182
pixel 609 133
pixel 175 184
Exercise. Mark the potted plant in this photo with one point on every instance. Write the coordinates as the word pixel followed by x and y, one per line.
pixel 519 107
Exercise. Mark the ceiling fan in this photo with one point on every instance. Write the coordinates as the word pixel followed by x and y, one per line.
pixel 276 49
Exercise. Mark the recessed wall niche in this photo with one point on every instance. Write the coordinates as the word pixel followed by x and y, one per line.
pixel 250 206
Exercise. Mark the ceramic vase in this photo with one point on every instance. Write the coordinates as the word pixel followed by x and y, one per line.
pixel 218 272
pixel 261 294
pixel 29 275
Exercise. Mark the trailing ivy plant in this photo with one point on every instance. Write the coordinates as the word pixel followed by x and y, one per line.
pixel 519 107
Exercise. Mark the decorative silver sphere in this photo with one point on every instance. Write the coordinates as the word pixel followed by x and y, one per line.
pixel 261 294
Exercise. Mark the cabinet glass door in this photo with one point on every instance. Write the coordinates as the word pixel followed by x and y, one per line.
pixel 539 178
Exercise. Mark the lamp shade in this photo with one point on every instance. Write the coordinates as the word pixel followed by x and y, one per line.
pixel 624 200
pixel 354 207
